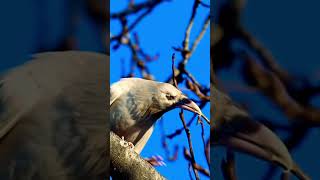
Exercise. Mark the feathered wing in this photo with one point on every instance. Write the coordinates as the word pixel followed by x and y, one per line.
pixel 50 121
pixel 19 91
pixel 115 93
pixel 121 87
pixel 26 85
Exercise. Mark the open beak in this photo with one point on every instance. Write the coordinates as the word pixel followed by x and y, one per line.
pixel 255 139
pixel 189 105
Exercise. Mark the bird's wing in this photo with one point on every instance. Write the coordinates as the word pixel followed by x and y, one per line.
pixel 18 93
pixel 119 88
pixel 115 93
pixel 75 117
pixel 55 105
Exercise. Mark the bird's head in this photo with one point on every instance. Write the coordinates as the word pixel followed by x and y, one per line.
pixel 171 98
pixel 155 97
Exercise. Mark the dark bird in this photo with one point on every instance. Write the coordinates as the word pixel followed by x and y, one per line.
pixel 233 127
pixel 53 118
pixel 136 104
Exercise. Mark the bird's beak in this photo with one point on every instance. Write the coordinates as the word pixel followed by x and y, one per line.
pixel 255 139
pixel 189 105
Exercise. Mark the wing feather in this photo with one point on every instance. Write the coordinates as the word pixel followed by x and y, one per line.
pixel 14 97
pixel 119 88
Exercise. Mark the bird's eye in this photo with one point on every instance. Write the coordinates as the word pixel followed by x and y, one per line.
pixel 169 97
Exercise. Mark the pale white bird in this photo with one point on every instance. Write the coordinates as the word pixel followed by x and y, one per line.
pixel 136 104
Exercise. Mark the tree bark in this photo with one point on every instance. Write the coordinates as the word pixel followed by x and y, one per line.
pixel 127 164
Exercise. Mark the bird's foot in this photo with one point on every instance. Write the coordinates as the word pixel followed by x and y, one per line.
pixel 131 145
pixel 156 161
pixel 126 144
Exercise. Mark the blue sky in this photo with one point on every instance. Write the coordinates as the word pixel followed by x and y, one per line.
pixel 158 33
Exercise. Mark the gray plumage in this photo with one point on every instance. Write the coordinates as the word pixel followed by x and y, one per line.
pixel 136 104
pixel 53 118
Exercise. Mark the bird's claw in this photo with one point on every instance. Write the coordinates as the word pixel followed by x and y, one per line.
pixel 156 161
pixel 124 143
pixel 131 145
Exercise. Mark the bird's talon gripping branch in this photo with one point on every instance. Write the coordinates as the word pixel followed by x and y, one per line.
pixel 131 145
pixel 124 143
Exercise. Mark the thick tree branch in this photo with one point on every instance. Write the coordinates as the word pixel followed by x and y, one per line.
pixel 126 164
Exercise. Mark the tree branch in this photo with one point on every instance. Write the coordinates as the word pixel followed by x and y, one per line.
pixel 126 164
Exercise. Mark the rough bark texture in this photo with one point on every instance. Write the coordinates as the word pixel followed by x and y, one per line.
pixel 126 164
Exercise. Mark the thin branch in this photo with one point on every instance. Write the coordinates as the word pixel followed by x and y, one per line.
pixel 138 19
pixel 173 71
pixel 197 166
pixel 189 27
pixel 136 8
pixel 202 132
pixel 285 175
pixel 207 151
pixel 193 161
pixel 228 166
pixel 201 34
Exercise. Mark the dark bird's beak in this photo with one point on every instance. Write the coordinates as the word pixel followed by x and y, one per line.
pixel 189 105
pixel 253 138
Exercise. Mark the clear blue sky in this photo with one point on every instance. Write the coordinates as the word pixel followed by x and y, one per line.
pixel 158 32
pixel 290 31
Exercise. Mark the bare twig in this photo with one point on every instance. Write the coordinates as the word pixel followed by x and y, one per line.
pixel 193 161
pixel 202 132
pixel 201 34
pixel 189 27
pixel 197 166
pixel 173 71
pixel 136 8
pixel 285 175
pixel 207 151
pixel 228 166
